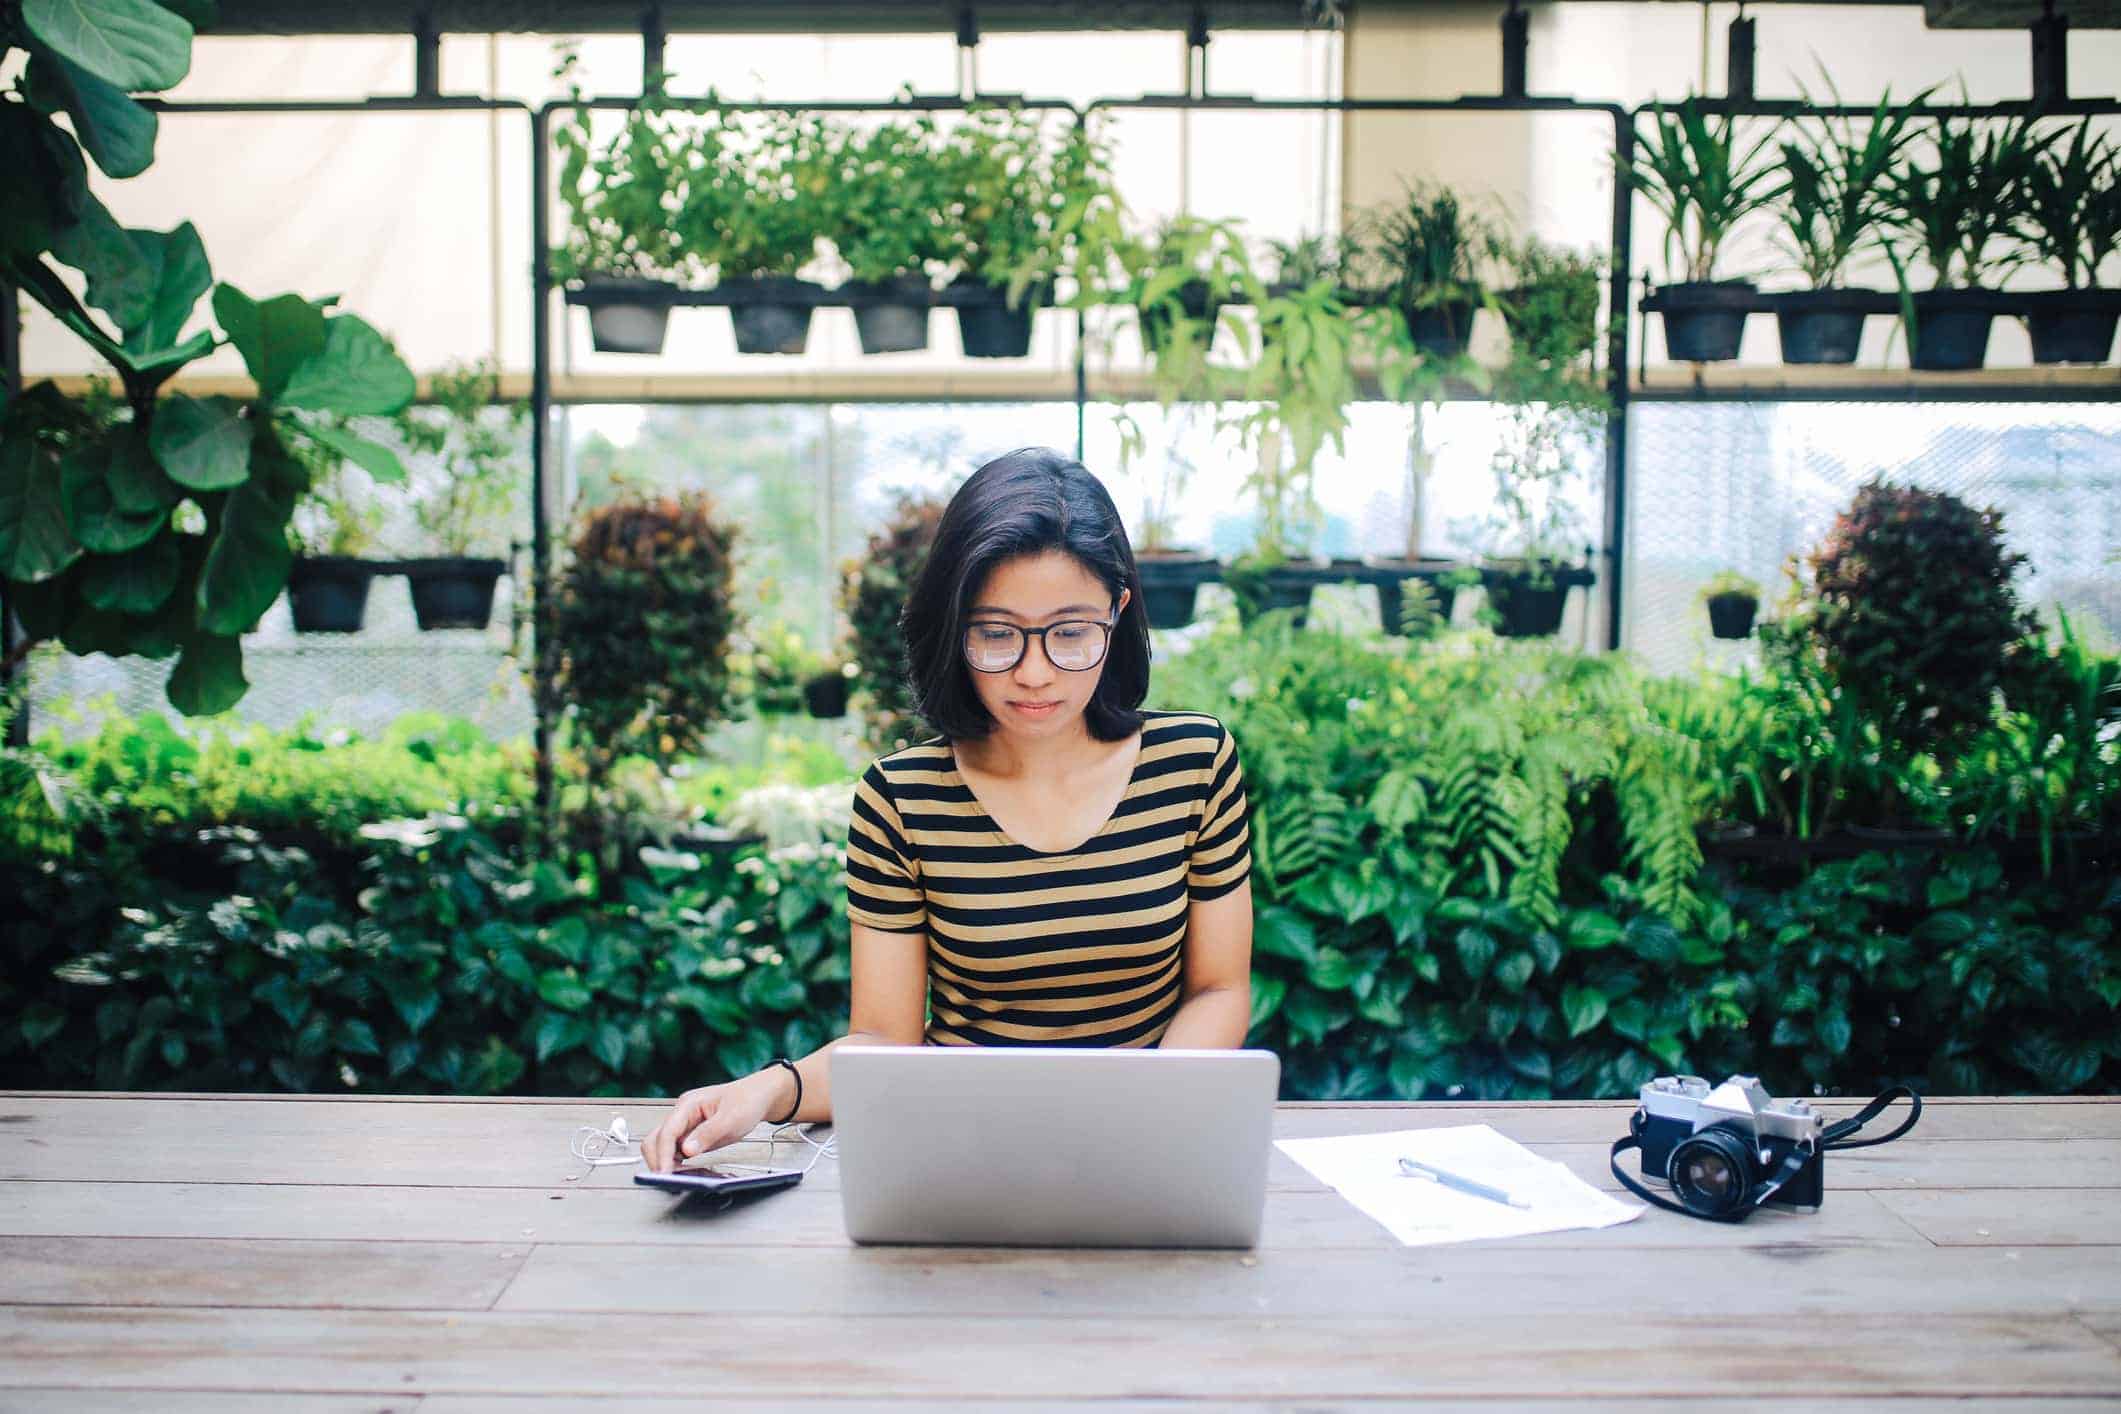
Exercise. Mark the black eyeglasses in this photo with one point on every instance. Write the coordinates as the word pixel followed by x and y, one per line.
pixel 1073 645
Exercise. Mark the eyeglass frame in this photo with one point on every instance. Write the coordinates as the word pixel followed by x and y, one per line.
pixel 1024 647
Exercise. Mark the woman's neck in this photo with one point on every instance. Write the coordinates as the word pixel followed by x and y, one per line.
pixel 1007 757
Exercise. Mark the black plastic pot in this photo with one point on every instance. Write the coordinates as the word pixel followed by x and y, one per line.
pixel 986 326
pixel 1170 581
pixel 826 695
pixel 1529 602
pixel 1704 321
pixel 1825 326
pixel 770 313
pixel 1440 329
pixel 890 316
pixel 1282 587
pixel 1950 334
pixel 1198 302
pixel 453 592
pixel 1390 577
pixel 628 316
pixel 1731 615
pixel 2072 326
pixel 329 593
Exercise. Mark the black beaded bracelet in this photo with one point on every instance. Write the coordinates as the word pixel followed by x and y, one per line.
pixel 783 1060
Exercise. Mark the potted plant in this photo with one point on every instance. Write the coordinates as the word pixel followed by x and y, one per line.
pixel 1958 214
pixel 623 250
pixel 756 203
pixel 642 615
pixel 467 496
pixel 825 690
pixel 1703 182
pixel 333 527
pixel 1296 399
pixel 771 669
pixel 1168 577
pixel 1535 524
pixel 1010 195
pixel 891 196
pixel 1733 600
pixel 1834 202
pixel 2073 223
pixel 1432 253
pixel 1178 284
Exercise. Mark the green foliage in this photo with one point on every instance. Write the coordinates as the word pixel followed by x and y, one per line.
pixel 1915 612
pixel 2073 205
pixel 893 199
pixel 1703 180
pixel 1432 249
pixel 1730 582
pixel 1836 197
pixel 873 595
pixel 1959 213
pixel 474 498
pixel 460 968
pixel 1552 308
pixel 641 623
pixel 156 526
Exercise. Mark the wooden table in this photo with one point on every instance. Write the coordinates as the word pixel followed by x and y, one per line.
pixel 180 1253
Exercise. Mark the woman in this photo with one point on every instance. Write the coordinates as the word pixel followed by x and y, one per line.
pixel 1058 867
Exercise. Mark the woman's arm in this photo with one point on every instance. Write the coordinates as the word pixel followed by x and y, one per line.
pixel 1216 1013
pixel 888 1007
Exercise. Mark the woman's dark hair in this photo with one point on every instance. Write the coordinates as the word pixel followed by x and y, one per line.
pixel 1025 503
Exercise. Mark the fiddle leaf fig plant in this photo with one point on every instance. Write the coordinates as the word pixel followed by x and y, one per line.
pixel 148 524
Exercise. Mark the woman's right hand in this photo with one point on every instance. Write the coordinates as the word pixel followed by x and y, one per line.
pixel 707 1119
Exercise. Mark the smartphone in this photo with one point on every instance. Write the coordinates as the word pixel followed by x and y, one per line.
pixel 709 1179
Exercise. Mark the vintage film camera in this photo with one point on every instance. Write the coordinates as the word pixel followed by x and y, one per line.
pixel 1728 1149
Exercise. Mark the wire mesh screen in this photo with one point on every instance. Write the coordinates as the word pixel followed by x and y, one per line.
pixel 361 681
pixel 1745 486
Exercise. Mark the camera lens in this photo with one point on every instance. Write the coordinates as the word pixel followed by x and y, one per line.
pixel 1711 1172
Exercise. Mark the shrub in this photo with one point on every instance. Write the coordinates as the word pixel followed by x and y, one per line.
pixel 642 622
pixel 874 596
pixel 1915 612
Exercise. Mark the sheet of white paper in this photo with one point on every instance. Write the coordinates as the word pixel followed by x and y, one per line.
pixel 1364 1169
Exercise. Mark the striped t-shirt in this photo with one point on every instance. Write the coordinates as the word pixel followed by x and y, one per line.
pixel 1084 947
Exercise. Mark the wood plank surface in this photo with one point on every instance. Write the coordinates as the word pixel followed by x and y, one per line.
pixel 303 1141
pixel 325 1255
pixel 991 1356
pixel 799 1217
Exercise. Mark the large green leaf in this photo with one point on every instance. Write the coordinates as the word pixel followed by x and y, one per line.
pixel 117 132
pixel 202 443
pixel 47 196
pixel 247 566
pixel 36 542
pixel 93 511
pixel 182 274
pixel 120 276
pixel 135 44
pixel 379 462
pixel 208 677
pixel 357 372
pixel 137 583
pixel 143 372
pixel 275 338
pixel 138 485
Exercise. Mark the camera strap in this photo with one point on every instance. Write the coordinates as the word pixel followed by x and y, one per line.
pixel 1834 1136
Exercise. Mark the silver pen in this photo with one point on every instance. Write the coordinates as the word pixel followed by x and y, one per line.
pixel 1458 1181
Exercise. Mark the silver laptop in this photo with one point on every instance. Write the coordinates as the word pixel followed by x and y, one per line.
pixel 1054 1146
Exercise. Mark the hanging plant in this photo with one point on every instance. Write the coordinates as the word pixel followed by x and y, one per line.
pixel 1836 201
pixel 1958 215
pixel 1703 181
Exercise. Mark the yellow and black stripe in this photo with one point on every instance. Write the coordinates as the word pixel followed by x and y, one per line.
pixel 1083 947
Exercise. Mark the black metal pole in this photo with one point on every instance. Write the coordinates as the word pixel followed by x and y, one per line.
pixel 11 383
pixel 541 674
pixel 1617 332
pixel 2050 57
pixel 1516 50
pixel 1739 60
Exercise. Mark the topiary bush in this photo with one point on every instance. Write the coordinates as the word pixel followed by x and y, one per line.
pixel 641 623
pixel 1915 613
pixel 873 596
